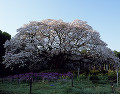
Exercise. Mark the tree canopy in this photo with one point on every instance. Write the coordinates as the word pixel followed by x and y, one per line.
pixel 3 37
pixel 117 54
pixel 37 43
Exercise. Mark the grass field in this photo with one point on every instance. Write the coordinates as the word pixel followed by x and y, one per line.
pixel 82 85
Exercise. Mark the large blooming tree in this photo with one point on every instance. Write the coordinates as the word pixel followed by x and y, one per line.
pixel 54 42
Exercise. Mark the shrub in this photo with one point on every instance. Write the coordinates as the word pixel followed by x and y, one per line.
pixel 94 79
pixel 94 72
pixel 38 78
pixel 112 76
pixel 81 77
pixel 103 71
pixel 98 72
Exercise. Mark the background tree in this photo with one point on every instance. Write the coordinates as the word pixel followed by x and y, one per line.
pixel 54 44
pixel 3 37
pixel 117 54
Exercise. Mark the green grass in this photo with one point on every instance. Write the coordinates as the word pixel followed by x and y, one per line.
pixel 82 85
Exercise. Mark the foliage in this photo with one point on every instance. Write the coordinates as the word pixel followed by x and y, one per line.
pixel 94 78
pixel 117 54
pixel 3 37
pixel 98 72
pixel 56 44
pixel 84 51
pixel 112 76
pixel 94 72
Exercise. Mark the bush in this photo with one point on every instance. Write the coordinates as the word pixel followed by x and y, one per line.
pixel 38 78
pixel 98 72
pixel 81 77
pixel 94 79
pixel 103 71
pixel 94 72
pixel 112 76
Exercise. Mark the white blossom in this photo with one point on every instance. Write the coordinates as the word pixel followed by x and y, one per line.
pixel 56 36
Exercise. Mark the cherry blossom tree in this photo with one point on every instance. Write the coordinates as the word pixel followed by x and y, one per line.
pixel 36 44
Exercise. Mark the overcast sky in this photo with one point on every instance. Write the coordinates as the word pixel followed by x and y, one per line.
pixel 102 15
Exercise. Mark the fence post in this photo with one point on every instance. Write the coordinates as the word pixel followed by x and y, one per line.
pixel 30 86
